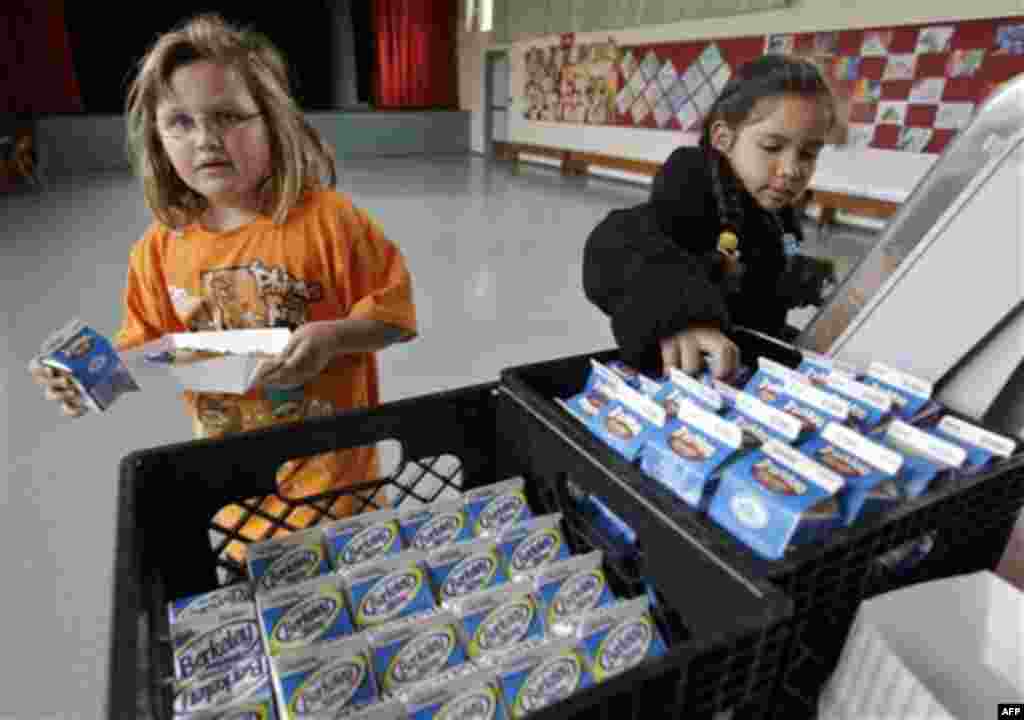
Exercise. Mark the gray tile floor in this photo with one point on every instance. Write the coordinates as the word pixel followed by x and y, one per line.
pixel 495 255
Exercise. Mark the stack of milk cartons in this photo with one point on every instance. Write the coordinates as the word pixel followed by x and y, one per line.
pixel 791 454
pixel 463 604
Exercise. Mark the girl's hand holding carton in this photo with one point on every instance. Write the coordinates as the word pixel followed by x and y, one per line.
pixel 685 351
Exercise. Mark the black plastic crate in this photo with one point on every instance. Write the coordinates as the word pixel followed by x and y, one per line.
pixel 450 442
pixel 970 518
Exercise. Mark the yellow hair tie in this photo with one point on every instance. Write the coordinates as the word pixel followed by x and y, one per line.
pixel 728 242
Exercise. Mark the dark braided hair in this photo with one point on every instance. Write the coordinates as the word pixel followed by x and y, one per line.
pixel 767 76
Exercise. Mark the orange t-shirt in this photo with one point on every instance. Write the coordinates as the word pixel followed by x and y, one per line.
pixel 329 261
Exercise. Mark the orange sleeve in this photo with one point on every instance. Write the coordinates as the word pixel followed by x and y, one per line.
pixel 148 314
pixel 380 283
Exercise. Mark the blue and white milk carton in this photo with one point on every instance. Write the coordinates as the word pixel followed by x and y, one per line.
pixel 465 568
pixel 792 392
pixel 231 597
pixel 414 649
pixel 981 445
pixel 774 497
pixel 365 537
pixel 869 406
pixel 600 390
pixel 761 422
pixel 569 589
pixel 619 637
pixel 909 394
pixel 531 545
pixel 214 642
pixel 500 618
pixel 540 673
pixel 474 694
pixel 244 686
pixel 626 423
pixel 492 509
pixel 297 616
pixel 389 589
pixel 862 464
pixel 925 456
pixel 681 385
pixel 435 526
pixel 687 452
pixel 287 560
pixel 817 368
pixel 325 680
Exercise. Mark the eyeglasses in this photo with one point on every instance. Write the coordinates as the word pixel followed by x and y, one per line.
pixel 180 126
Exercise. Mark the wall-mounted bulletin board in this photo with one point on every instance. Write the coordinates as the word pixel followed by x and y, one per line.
pixel 908 88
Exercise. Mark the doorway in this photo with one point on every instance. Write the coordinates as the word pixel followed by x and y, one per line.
pixel 497 99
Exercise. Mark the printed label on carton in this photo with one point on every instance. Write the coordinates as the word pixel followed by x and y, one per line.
pixel 693 389
pixel 619 637
pixel 760 421
pixel 435 526
pixel 473 696
pixel 312 611
pixel 601 389
pixel 500 618
pixel 363 538
pixel 542 675
pixel 792 393
pixel 570 588
pixel 622 430
pixel 232 597
pixel 924 456
pixel 684 455
pixel 214 643
pixel 908 393
pixel 416 649
pixel 248 680
pixel 325 680
pixel 243 710
pixel 869 406
pixel 863 465
pixel 495 508
pixel 531 545
pixel 465 568
pixel 389 589
pixel 980 444
pixel 775 496
pixel 95 368
pixel 287 560
pixel 818 367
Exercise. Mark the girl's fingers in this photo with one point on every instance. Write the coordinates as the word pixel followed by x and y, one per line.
pixel 669 355
pixel 689 356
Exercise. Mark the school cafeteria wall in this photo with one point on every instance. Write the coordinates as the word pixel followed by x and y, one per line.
pixel 838 170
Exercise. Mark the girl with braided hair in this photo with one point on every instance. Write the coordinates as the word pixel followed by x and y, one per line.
pixel 717 243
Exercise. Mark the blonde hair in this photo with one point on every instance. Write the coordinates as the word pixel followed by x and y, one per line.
pixel 299 156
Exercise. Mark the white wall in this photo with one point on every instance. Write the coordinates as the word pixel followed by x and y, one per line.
pixel 841 170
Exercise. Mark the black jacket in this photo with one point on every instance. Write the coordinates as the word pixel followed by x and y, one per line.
pixel 650 267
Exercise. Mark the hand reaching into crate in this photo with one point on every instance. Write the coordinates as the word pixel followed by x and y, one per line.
pixel 690 349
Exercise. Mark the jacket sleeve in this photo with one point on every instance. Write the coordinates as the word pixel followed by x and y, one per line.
pixel 648 286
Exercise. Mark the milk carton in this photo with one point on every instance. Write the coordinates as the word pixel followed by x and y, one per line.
pixel 287 560
pixel 214 642
pixel 619 637
pixel 869 406
pixel 232 597
pixel 529 546
pixel 625 423
pixel 389 589
pixel 862 464
pixel 362 538
pixel 570 588
pixel 494 508
pixel 93 366
pixel 760 422
pixel 473 695
pixel 540 673
pixel 981 445
pixel 909 394
pixel 681 385
pixel 793 393
pixel 243 686
pixel 414 649
pixel 499 618
pixel 925 456
pixel 776 496
pixel 465 568
pixel 818 368
pixel 325 680
pixel 435 526
pixel 295 616
pixel 692 446
pixel 600 389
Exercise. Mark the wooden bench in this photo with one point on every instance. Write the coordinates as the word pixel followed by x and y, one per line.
pixel 576 162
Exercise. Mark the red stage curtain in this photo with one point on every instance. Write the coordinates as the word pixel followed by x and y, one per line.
pixel 416 54
pixel 39 76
